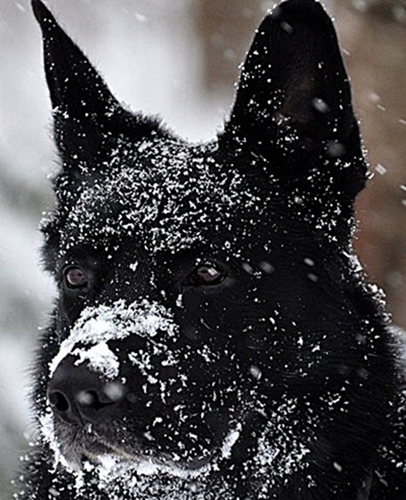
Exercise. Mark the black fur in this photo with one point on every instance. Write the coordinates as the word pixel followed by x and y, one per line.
pixel 214 336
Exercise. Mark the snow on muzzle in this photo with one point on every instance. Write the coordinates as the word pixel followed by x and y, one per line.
pixel 105 344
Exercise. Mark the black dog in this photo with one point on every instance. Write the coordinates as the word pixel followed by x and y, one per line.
pixel 214 337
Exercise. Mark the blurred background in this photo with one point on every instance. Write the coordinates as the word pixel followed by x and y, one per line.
pixel 180 60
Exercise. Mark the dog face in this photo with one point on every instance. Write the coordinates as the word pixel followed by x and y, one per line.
pixel 205 288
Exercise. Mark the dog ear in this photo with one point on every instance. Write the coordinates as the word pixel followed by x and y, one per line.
pixel 86 114
pixel 294 99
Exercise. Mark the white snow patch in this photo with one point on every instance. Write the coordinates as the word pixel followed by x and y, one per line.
pixel 230 441
pixel 255 372
pixel 381 169
pixel 100 359
pixel 96 326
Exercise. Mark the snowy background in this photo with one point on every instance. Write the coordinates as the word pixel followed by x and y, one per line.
pixel 177 59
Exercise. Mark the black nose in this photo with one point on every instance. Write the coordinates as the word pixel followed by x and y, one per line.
pixel 80 396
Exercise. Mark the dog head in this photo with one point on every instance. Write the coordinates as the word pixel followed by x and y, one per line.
pixel 191 276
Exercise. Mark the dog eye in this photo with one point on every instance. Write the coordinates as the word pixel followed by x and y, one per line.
pixel 75 278
pixel 209 274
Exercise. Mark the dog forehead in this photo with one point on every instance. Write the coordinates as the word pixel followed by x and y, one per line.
pixel 170 194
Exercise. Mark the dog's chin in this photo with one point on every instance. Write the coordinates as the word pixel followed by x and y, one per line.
pixel 114 458
pixel 78 449
pixel 114 461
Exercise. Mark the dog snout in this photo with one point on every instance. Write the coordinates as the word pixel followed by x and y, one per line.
pixel 79 396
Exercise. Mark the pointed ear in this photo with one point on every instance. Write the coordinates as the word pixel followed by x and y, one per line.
pixel 85 111
pixel 294 97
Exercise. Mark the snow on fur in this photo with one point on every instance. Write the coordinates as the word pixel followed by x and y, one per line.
pixel 163 193
pixel 98 325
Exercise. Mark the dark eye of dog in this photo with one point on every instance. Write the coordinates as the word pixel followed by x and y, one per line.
pixel 209 274
pixel 75 278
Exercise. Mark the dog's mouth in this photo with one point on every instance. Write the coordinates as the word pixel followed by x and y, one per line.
pixel 75 447
pixel 113 458
pixel 104 452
